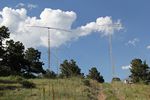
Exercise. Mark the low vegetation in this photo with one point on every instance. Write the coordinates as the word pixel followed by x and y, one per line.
pixel 121 91
pixel 48 89
pixel 75 88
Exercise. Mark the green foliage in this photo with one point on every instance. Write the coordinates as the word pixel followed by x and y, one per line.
pixel 5 70
pixel 4 34
pixel 95 75
pixel 28 75
pixel 64 89
pixel 139 71
pixel 33 63
pixel 69 69
pixel 121 91
pixel 50 74
pixel 27 84
pixel 86 82
pixel 16 78
pixel 14 60
pixel 116 79
pixel 14 57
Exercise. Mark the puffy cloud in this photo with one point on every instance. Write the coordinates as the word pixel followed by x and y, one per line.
pixel 17 20
pixel 104 25
pixel 126 67
pixel 133 42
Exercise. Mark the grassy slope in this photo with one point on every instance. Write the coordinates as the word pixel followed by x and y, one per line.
pixel 63 89
pixel 72 89
pixel 120 91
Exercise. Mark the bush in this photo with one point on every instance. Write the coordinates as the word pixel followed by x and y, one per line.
pixel 70 69
pixel 61 76
pixel 116 79
pixel 95 75
pixel 28 76
pixel 50 74
pixel 16 78
pixel 27 84
pixel 19 79
pixel 139 71
pixel 4 70
pixel 86 82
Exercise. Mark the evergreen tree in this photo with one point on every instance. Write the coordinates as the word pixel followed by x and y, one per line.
pixel 95 75
pixel 70 68
pixel 139 70
pixel 14 57
pixel 4 34
pixel 13 60
pixel 50 74
pixel 33 63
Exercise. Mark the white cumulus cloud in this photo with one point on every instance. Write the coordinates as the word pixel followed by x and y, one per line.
pixel 104 25
pixel 17 20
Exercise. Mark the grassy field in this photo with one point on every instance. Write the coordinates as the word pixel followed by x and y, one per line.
pixel 121 91
pixel 54 89
pixel 71 89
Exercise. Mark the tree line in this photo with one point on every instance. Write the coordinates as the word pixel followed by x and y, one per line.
pixel 16 60
pixel 70 69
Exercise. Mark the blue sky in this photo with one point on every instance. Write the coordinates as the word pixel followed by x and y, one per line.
pixel 92 50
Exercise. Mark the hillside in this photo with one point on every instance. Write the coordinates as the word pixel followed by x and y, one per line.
pixel 53 89
pixel 71 89
pixel 121 91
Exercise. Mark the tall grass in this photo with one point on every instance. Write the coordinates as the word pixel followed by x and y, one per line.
pixel 121 91
pixel 48 89
pixel 70 89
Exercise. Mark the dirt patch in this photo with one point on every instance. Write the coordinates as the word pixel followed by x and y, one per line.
pixel 101 95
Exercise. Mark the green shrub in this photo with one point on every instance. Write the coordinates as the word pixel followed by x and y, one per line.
pixel 116 79
pixel 94 74
pixel 27 84
pixel 86 82
pixel 28 76
pixel 19 79
pixel 16 78
pixel 50 74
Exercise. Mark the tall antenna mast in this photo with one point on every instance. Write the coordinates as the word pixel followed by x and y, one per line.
pixel 110 49
pixel 49 28
pixel 111 55
pixel 49 49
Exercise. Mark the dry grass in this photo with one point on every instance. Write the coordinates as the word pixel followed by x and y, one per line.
pixel 53 89
pixel 121 91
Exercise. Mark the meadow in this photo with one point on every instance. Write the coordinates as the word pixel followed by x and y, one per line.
pixel 71 89
pixel 48 89
pixel 121 91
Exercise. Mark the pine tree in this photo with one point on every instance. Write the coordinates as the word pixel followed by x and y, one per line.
pixel 95 75
pixel 70 68
pixel 139 70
